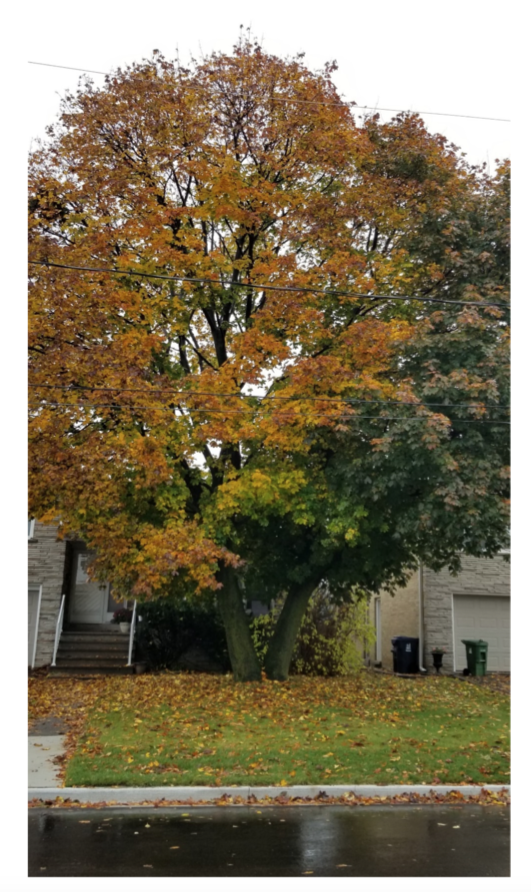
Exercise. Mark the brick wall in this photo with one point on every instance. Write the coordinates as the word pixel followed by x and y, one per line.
pixel 46 560
pixel 479 576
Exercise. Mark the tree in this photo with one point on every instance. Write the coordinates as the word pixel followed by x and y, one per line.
pixel 209 322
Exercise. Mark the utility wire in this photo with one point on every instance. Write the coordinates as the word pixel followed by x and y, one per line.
pixel 82 404
pixel 291 289
pixel 68 67
pixel 320 399
pixel 354 107
pixel 316 101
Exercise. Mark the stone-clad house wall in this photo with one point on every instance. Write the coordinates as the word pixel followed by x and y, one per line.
pixel 478 576
pixel 46 565
pixel 399 615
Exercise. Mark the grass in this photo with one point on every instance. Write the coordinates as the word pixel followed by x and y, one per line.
pixel 178 729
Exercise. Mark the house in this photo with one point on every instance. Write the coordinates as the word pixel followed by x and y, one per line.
pixel 441 610
pixel 437 608
pixel 56 567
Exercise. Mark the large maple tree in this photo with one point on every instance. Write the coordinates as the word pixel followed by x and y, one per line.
pixel 213 338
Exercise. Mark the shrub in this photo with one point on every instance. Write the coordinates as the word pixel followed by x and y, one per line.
pixel 331 639
pixel 167 630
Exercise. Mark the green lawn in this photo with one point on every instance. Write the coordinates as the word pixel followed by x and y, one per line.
pixel 176 729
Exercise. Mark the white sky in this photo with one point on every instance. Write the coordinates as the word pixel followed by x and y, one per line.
pixel 390 54
pixel 468 57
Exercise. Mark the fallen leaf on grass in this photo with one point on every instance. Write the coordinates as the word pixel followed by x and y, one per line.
pixel 175 847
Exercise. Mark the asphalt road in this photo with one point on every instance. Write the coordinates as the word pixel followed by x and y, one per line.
pixel 372 841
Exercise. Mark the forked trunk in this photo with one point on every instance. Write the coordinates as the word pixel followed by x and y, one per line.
pixel 280 650
pixel 243 659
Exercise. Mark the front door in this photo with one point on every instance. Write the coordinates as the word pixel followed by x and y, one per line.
pixel 90 601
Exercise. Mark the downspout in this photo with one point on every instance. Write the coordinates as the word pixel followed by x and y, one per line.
pixel 422 668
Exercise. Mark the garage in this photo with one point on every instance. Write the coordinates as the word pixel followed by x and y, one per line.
pixel 488 618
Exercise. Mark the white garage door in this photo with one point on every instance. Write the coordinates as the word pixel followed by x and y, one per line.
pixel 477 616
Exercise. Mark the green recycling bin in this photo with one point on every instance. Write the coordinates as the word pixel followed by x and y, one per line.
pixel 476 656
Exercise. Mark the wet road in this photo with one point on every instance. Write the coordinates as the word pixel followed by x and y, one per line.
pixel 375 841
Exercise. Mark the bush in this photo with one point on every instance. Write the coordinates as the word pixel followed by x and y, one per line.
pixel 331 639
pixel 168 630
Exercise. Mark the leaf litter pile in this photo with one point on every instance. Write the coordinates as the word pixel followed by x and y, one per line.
pixel 178 729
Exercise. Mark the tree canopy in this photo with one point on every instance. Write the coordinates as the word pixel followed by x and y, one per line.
pixel 239 380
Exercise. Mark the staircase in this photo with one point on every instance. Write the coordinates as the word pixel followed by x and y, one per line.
pixel 87 650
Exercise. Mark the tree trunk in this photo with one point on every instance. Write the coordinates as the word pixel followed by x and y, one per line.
pixel 280 650
pixel 243 659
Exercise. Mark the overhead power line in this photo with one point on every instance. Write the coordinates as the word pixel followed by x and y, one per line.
pixel 280 415
pixel 237 395
pixel 354 107
pixel 332 292
pixel 316 101
pixel 68 67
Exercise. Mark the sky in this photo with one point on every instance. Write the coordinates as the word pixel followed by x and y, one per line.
pixel 393 55
pixel 465 57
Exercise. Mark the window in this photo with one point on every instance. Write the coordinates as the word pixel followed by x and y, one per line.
pixel 31 527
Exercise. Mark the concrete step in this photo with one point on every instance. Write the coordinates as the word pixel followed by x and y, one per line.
pixel 83 639
pixel 90 628
pixel 115 659
pixel 89 671
pixel 95 633
pixel 67 645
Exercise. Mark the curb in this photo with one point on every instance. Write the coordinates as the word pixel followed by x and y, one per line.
pixel 206 795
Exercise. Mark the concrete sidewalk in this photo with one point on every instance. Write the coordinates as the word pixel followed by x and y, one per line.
pixel 45 744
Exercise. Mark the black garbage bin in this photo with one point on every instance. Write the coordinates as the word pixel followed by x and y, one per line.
pixel 405 654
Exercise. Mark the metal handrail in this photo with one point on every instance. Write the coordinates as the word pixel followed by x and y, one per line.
pixel 132 635
pixel 58 628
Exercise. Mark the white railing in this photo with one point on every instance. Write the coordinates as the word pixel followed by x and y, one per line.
pixel 58 628
pixel 132 635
